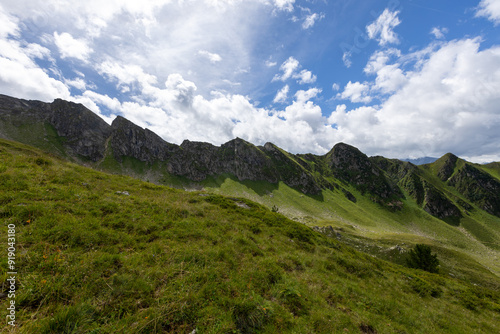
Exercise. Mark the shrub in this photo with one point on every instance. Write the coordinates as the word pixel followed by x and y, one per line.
pixel 421 257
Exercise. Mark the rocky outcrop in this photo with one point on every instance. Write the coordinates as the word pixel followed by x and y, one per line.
pixel 128 139
pixel 438 205
pixel 448 163
pixel 291 171
pixel 242 159
pixel 197 160
pixel 82 133
pixel 478 187
pixel 354 167
pixel 76 132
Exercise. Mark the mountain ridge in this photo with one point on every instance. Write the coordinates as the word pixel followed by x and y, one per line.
pixel 113 254
pixel 71 130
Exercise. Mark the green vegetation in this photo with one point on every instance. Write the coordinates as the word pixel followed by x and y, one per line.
pixel 469 251
pixel 421 257
pixel 100 253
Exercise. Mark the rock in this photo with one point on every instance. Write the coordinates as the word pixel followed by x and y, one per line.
pixel 448 162
pixel 354 167
pixel 479 187
pixel 349 195
pixel 122 193
pixel 128 139
pixel 81 133
pixel 438 205
pixel 75 132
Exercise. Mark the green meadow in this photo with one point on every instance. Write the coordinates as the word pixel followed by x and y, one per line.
pixel 102 253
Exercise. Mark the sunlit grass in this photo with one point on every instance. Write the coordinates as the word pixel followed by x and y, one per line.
pixel 94 259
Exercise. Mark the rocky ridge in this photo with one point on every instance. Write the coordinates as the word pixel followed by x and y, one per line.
pixel 78 133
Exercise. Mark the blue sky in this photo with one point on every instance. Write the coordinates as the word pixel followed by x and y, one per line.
pixel 399 78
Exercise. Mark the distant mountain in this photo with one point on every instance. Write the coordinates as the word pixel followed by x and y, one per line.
pixel 447 189
pixel 421 161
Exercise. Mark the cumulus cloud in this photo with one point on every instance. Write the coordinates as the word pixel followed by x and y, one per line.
pixel 356 92
pixel 20 75
pixel 77 83
pixel 270 63
pixel 443 97
pixel 9 24
pixel 212 57
pixel 290 69
pixel 389 76
pixel 447 103
pixel 305 77
pixel 382 28
pixel 286 5
pixel 346 59
pixel 438 32
pixel 282 95
pixel 70 47
pixel 489 9
pixel 311 19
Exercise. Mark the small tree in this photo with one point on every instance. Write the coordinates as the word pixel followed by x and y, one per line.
pixel 421 257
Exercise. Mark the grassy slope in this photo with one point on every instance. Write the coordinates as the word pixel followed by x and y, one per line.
pixel 474 243
pixel 477 237
pixel 163 260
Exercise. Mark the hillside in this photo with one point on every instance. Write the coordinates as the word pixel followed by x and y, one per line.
pixel 101 253
pixel 375 203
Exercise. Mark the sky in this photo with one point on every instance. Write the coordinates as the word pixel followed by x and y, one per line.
pixel 398 78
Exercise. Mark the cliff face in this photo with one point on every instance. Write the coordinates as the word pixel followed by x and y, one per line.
pixel 354 167
pixel 478 187
pixel 128 139
pixel 84 133
pixel 74 131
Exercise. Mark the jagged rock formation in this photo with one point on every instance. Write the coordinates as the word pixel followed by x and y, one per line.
pixel 84 132
pixel 128 139
pixel 71 130
pixel 354 167
pixel 479 187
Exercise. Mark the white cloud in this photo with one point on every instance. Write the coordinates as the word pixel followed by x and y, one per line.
pixel 70 47
pixel 212 57
pixel 305 77
pixel 282 94
pixel 438 32
pixel 441 98
pixel 356 92
pixel 489 9
pixel 346 59
pixel 311 19
pixel 270 63
pixel 382 28
pixel 389 77
pixel 286 5
pixel 9 24
pixel 126 76
pixel 20 75
pixel 448 103
pixel 289 70
pixel 78 83
pixel 305 95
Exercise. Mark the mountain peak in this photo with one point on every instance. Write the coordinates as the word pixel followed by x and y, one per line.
pixel 446 165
